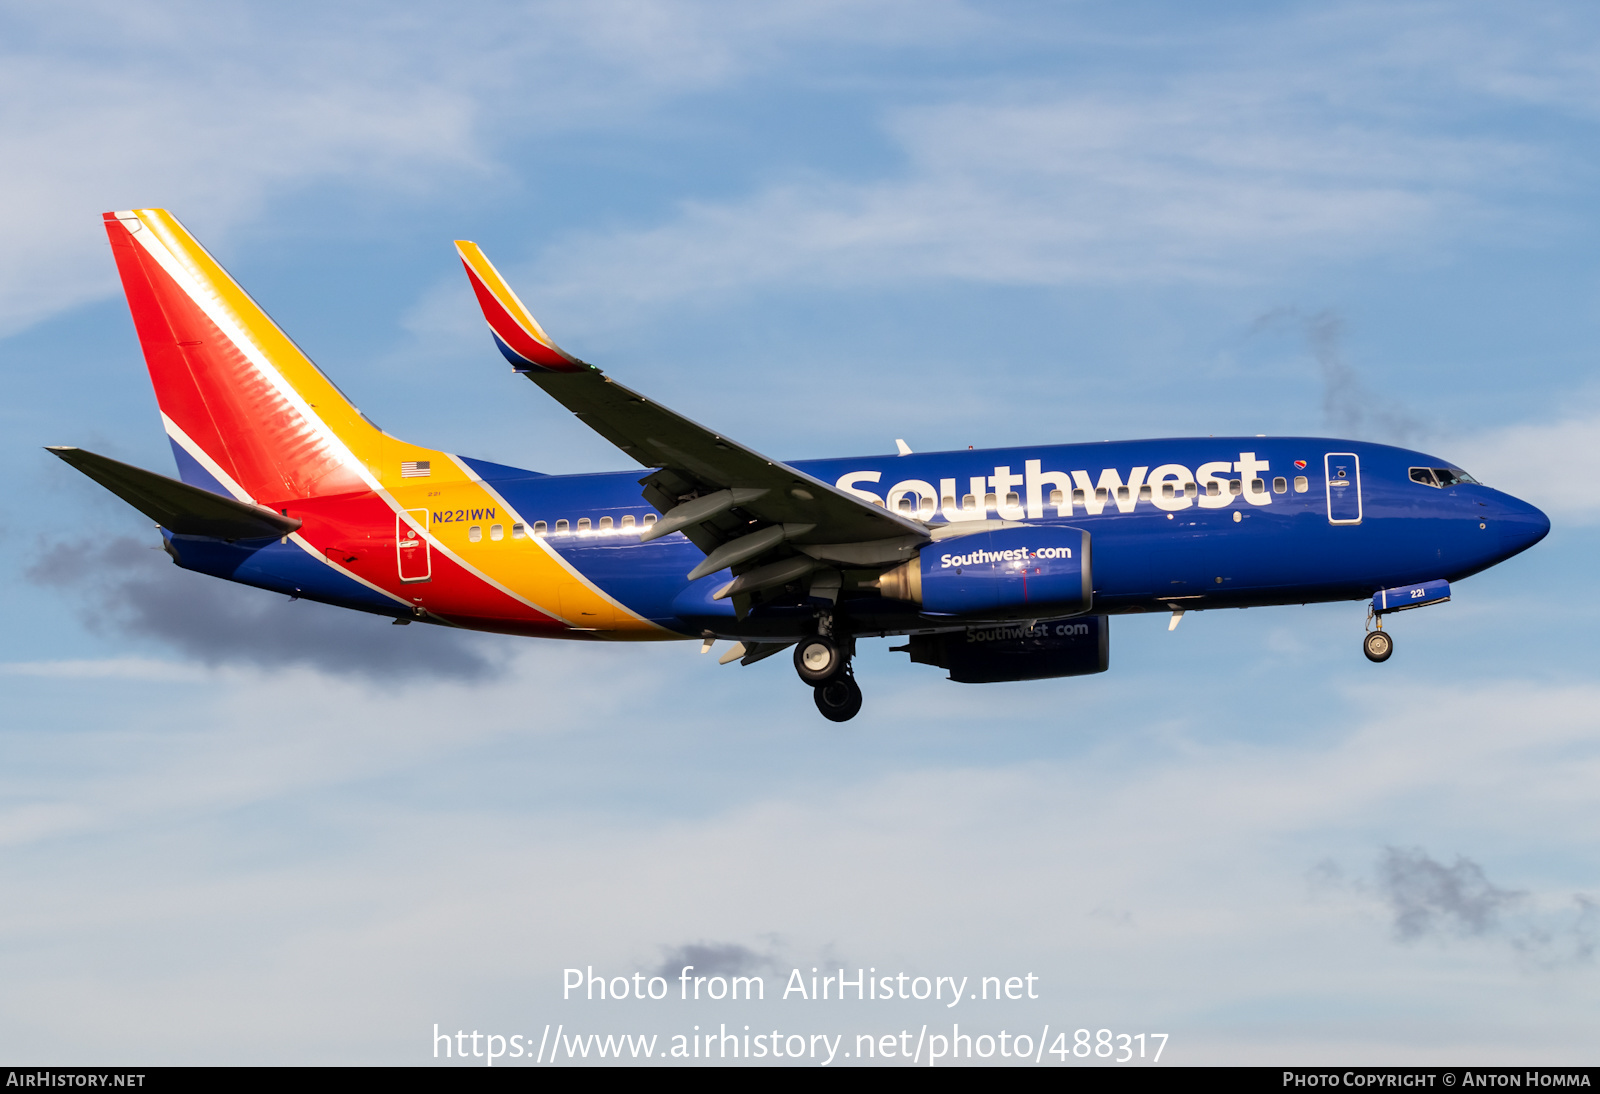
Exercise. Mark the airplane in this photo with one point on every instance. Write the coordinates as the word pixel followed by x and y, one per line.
pixel 995 565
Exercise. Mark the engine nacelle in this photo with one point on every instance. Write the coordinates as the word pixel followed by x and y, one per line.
pixel 1011 573
pixel 1017 651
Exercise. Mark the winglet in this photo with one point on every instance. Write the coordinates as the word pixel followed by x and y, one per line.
pixel 516 331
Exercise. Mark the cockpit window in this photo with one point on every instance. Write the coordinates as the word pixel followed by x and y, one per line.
pixel 1441 477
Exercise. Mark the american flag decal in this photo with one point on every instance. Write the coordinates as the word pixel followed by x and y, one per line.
pixel 415 469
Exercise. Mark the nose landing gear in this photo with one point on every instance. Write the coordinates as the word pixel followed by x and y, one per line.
pixel 1377 645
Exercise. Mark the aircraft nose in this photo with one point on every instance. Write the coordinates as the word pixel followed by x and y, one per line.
pixel 1521 525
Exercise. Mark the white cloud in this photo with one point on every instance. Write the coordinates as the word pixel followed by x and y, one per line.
pixel 208 122
pixel 1295 143
pixel 117 668
pixel 382 860
pixel 213 111
pixel 1061 191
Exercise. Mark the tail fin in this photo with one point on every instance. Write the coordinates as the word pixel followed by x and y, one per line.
pixel 248 413
pixel 518 334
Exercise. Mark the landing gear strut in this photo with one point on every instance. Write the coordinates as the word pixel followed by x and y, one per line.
pixel 1377 645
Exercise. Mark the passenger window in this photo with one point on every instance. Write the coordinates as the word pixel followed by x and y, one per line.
pixel 924 507
pixel 1122 493
pixel 1191 490
pixel 989 502
pixel 562 527
pixel 968 502
pixel 904 505
pixel 540 529
pixel 1257 486
pixel 649 519
pixel 497 532
pixel 1013 501
pixel 605 525
pixel 1280 485
pixel 1077 497
pixel 1300 484
pixel 1213 490
pixel 1166 490
pixel 475 533
pixel 1055 498
pixel 1144 493
pixel 583 526
pixel 947 502
pixel 1235 487
pixel 1101 494
pixel 627 523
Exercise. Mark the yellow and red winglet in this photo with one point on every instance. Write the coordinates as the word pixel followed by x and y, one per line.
pixel 518 334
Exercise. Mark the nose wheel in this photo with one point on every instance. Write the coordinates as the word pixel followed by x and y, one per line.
pixel 1377 644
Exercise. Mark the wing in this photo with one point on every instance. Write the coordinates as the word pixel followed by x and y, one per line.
pixel 772 523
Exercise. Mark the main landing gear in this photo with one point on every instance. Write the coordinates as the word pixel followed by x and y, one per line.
pixel 825 665
pixel 839 699
pixel 1377 645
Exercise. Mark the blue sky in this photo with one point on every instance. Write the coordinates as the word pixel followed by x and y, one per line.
pixel 234 829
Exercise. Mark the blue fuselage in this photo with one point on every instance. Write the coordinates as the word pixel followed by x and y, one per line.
pixel 1175 523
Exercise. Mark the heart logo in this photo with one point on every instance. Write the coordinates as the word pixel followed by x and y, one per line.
pixel 1300 464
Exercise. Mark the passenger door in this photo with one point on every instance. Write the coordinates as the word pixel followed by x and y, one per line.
pixel 1343 474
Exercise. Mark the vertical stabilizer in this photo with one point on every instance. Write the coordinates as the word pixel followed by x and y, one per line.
pixel 247 411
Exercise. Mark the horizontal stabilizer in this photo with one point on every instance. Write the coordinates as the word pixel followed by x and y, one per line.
pixel 177 506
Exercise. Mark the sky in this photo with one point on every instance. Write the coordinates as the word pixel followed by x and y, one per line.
pixel 235 829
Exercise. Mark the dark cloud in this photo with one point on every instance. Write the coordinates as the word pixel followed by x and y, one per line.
pixel 1566 938
pixel 714 959
pixel 1349 407
pixel 132 589
pixel 1428 897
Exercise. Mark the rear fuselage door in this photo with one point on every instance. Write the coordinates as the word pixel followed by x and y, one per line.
pixel 416 562
pixel 1344 487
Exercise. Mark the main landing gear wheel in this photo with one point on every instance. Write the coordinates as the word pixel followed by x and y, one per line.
pixel 818 659
pixel 1377 646
pixel 838 699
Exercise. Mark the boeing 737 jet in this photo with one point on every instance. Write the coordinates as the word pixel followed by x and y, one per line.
pixel 995 565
